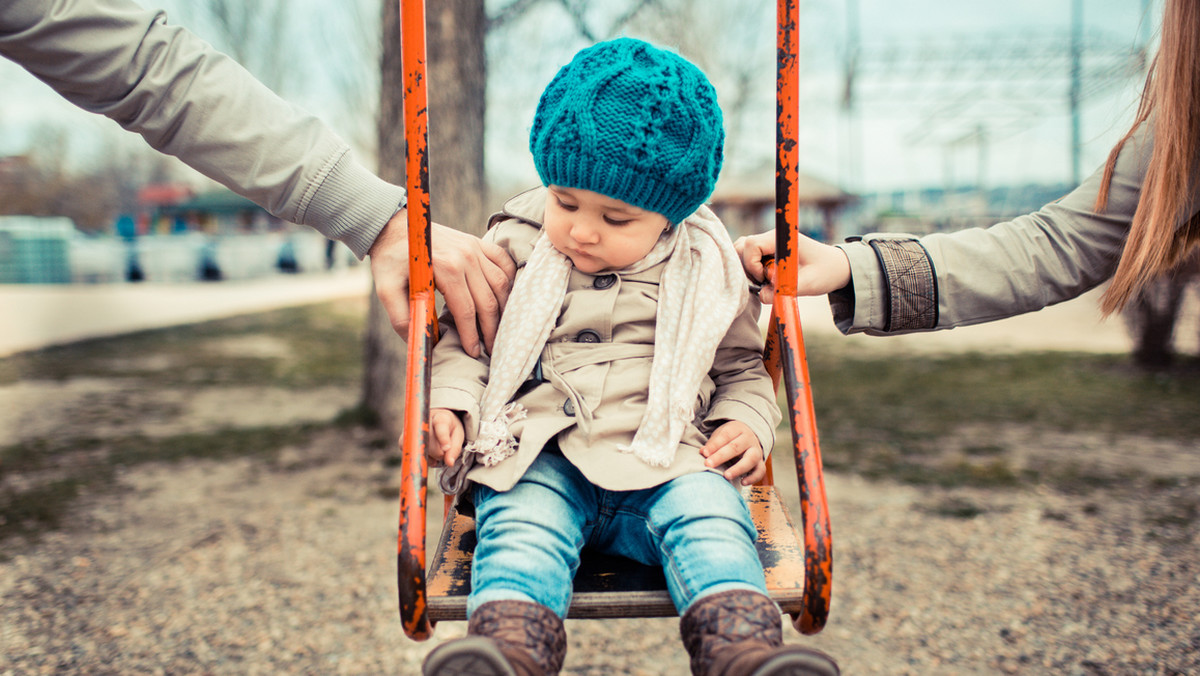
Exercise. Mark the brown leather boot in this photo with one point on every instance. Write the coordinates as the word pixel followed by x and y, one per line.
pixel 738 633
pixel 504 638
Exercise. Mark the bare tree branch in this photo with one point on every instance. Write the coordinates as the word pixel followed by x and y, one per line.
pixel 576 12
pixel 629 15
pixel 256 35
pixel 512 11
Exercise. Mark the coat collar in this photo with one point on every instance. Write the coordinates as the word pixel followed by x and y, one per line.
pixel 529 206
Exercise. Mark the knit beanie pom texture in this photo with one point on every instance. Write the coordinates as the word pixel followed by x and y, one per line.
pixel 633 122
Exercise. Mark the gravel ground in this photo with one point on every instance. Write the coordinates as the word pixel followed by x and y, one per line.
pixel 287 567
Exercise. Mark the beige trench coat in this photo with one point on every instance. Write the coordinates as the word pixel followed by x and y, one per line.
pixel 595 373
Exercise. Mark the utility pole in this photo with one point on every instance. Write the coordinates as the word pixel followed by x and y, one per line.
pixel 852 132
pixel 1076 86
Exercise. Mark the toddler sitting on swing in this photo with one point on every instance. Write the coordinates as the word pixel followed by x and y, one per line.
pixel 626 396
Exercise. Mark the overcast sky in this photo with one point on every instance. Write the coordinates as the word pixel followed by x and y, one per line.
pixel 891 144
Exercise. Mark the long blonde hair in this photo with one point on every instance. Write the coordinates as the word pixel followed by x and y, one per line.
pixel 1156 243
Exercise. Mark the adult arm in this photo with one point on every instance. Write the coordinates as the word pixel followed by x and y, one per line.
pixel 887 284
pixel 116 59
pixel 188 100
pixel 902 284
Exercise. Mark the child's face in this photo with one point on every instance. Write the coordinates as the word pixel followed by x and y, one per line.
pixel 599 233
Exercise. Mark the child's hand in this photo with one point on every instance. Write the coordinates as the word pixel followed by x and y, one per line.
pixel 447 437
pixel 735 440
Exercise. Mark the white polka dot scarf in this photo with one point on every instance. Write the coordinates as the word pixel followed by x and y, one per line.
pixel 702 290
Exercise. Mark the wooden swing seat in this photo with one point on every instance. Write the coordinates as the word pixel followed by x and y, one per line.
pixel 614 586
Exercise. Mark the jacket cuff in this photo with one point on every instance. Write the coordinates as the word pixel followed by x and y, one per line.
pixel 860 306
pixel 911 288
pixel 893 287
pixel 351 204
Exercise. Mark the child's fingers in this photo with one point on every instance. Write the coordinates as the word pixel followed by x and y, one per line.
pixel 721 455
pixel 447 438
pixel 749 465
pixel 743 465
pixel 727 443
pixel 734 450
pixel 433 452
pixel 454 448
pixel 724 435
pixel 750 470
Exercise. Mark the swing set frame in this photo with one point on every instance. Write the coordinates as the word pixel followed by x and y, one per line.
pixel 798 562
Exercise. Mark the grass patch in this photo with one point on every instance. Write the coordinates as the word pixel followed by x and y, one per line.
pixel 954 508
pixel 323 347
pixel 299 347
pixel 219 445
pixel 910 397
pixel 59 471
pixel 888 416
pixel 308 346
pixel 30 512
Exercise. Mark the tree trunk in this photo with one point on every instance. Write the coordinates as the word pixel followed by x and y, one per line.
pixel 455 55
pixel 457 84
pixel 1151 317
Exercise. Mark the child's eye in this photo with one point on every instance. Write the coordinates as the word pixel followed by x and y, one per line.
pixel 564 206
pixel 616 221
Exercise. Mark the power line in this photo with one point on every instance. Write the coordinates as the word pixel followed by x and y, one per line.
pixel 964 88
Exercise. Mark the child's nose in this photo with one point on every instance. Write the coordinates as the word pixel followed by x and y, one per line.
pixel 583 233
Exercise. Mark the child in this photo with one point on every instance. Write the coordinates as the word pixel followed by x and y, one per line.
pixel 626 390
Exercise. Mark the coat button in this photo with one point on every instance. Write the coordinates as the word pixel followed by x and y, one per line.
pixel 587 336
pixel 569 407
pixel 604 281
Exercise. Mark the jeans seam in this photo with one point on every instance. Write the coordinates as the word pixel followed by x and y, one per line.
pixel 671 568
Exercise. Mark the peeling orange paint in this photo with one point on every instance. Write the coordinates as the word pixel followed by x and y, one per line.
pixel 422 334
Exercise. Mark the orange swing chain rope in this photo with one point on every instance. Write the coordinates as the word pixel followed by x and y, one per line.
pixel 422 331
pixel 789 338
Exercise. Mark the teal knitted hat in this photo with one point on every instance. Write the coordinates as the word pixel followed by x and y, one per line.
pixel 633 122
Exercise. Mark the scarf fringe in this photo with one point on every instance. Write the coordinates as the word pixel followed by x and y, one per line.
pixel 495 441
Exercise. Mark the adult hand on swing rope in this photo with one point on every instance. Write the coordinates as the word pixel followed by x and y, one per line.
pixel 474 277
pixel 823 268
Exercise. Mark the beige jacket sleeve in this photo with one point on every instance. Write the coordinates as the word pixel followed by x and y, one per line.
pixel 744 391
pixel 186 99
pixel 903 283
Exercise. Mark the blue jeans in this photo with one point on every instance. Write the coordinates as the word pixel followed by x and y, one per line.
pixel 696 527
